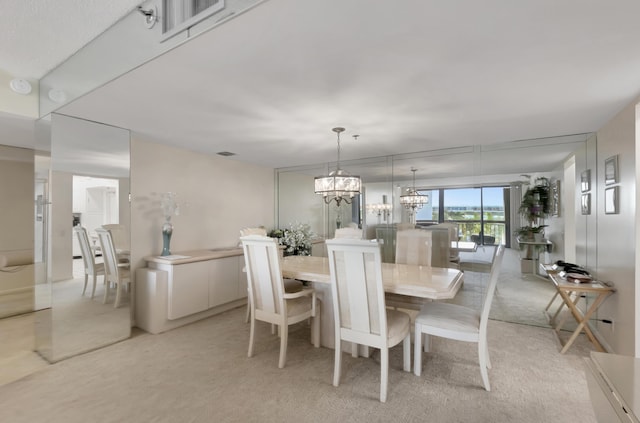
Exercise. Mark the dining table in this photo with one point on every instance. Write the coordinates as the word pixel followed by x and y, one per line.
pixel 433 283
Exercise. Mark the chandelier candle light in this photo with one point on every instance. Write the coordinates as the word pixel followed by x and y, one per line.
pixel 412 200
pixel 170 207
pixel 338 185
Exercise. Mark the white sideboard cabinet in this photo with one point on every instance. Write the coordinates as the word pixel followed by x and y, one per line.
pixel 189 286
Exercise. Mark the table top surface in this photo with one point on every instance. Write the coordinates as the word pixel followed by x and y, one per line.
pixel 404 279
pixel 464 246
pixel 534 242
pixel 562 283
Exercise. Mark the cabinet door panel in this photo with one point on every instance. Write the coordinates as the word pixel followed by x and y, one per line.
pixel 188 289
pixel 223 282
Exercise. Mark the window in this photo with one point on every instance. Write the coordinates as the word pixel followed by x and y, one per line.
pixel 479 212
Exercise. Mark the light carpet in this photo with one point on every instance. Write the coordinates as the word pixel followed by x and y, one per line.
pixel 200 373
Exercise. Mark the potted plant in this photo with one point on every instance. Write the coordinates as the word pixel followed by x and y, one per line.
pixel 535 206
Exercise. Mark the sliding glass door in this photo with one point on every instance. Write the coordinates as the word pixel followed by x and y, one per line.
pixel 481 213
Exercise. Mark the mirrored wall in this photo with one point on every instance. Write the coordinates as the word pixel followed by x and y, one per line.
pixel 84 182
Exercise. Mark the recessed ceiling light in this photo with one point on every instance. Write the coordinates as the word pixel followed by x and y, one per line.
pixel 226 153
pixel 20 86
pixel 57 95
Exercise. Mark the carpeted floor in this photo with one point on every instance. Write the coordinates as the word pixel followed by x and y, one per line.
pixel 200 373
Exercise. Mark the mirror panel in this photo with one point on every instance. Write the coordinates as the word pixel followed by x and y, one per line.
pixel 16 225
pixel 89 186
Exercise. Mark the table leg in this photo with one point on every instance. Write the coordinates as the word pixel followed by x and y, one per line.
pixel 582 320
pixel 575 304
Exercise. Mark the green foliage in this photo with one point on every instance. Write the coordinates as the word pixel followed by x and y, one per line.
pixel 535 201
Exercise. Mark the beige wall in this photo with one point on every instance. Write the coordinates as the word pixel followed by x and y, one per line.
pixel 217 197
pixel 615 241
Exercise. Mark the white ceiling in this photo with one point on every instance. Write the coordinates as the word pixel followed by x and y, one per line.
pixel 407 76
pixel 38 35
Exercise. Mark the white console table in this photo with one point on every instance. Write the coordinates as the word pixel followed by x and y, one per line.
pixel 175 290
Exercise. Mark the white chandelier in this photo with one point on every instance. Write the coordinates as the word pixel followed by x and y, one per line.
pixel 412 200
pixel 338 185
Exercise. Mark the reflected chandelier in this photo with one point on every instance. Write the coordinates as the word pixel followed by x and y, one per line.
pixel 338 185
pixel 412 200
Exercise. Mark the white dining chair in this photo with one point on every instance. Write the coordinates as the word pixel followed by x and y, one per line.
pixel 458 322
pixel 360 314
pixel 413 246
pixel 290 285
pixel 267 298
pixel 116 273
pixel 91 268
pixel 352 233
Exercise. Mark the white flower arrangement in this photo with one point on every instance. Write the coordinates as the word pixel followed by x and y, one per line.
pixel 169 204
pixel 296 239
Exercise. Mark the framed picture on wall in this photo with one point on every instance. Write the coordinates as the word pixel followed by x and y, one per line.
pixel 585 205
pixel 611 170
pixel 611 200
pixel 585 180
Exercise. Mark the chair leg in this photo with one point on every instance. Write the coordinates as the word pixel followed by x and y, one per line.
pixel 284 334
pixel 251 332
pixel 337 365
pixel 354 350
pixel 417 350
pixel 95 281
pixel 246 318
pixel 86 279
pixel 406 349
pixel 106 290
pixel 116 303
pixel 488 358
pixel 315 327
pixel 482 355
pixel 384 373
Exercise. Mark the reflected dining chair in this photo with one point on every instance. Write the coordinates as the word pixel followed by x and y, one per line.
pixel 267 298
pixel 290 285
pixel 116 273
pixel 91 268
pixel 352 233
pixel 413 246
pixel 121 240
pixel 360 314
pixel 458 322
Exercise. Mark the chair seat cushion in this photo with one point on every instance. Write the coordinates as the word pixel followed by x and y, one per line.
pixel 296 306
pixel 449 317
pixel 398 323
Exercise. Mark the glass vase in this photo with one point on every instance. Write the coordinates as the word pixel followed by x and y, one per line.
pixel 167 231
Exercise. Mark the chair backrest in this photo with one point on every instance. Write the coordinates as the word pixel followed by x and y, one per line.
pixel 491 288
pixel 85 248
pixel 414 246
pixel 440 245
pixel 108 254
pixel 352 233
pixel 357 290
pixel 119 235
pixel 264 276
pixel 405 226
pixel 253 231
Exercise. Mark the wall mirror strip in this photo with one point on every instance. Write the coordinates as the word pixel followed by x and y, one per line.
pixel 84 185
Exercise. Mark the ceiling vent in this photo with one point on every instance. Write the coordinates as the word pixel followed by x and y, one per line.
pixel 225 153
